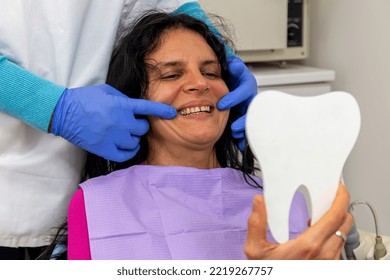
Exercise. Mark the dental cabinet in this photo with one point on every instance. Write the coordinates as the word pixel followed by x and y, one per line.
pixel 265 30
pixel 295 79
pixel 271 36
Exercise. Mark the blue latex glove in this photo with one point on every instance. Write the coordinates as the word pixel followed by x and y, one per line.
pixel 244 87
pixel 102 120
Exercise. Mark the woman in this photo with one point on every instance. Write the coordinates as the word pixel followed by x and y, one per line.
pixel 188 193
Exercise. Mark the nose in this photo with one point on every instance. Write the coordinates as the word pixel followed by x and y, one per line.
pixel 196 82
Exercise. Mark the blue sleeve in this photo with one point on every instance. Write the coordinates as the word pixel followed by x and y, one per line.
pixel 27 96
pixel 195 10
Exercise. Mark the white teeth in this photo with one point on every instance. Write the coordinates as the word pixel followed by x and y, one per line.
pixel 194 110
pixel 301 141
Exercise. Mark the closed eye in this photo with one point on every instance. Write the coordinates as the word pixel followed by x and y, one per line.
pixel 211 75
pixel 170 76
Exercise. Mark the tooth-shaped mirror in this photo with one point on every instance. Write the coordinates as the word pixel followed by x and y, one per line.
pixel 301 140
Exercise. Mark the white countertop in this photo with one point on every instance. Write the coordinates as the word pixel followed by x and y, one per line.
pixel 270 74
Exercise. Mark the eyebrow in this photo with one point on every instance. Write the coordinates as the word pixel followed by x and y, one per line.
pixel 166 64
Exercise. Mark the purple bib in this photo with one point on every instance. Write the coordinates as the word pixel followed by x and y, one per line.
pixel 164 212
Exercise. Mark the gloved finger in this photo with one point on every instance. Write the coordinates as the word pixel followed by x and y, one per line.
pixel 238 135
pixel 236 66
pixel 241 145
pixel 244 85
pixel 139 126
pixel 152 108
pixel 239 125
pixel 123 155
pixel 145 107
pixel 127 142
pixel 235 97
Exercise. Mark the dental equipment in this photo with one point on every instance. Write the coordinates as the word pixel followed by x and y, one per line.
pixel 353 241
pixel 379 248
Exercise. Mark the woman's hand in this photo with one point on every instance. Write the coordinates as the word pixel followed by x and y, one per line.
pixel 317 242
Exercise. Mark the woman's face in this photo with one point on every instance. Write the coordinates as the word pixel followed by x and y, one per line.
pixel 187 76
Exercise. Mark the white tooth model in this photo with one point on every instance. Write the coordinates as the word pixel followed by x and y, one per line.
pixel 301 141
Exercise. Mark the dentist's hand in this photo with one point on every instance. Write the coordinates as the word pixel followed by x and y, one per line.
pixel 103 121
pixel 317 242
pixel 244 87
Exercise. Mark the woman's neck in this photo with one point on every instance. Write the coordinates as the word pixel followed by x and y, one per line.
pixel 182 156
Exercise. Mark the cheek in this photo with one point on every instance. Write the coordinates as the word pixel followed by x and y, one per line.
pixel 161 93
pixel 159 128
pixel 222 90
pixel 224 118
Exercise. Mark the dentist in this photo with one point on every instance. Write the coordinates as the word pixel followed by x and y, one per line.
pixel 53 64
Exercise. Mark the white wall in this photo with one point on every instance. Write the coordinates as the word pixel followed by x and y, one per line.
pixel 353 38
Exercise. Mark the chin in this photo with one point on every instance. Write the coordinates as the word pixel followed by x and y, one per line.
pixel 205 139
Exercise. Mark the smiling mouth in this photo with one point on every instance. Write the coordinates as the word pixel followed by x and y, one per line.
pixel 195 110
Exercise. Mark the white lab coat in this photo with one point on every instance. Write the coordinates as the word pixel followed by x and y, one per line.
pixel 68 42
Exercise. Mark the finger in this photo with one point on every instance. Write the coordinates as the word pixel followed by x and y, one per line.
pixel 312 241
pixel 139 127
pixel 243 82
pixel 242 144
pixel 335 244
pixel 235 97
pixel 257 222
pixel 141 106
pixel 257 229
pixel 239 125
pixel 123 155
pixel 156 109
pixel 238 135
pixel 127 142
pixel 344 229
pixel 236 68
